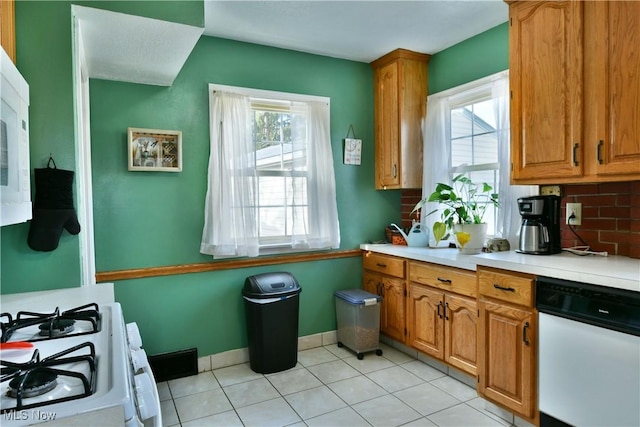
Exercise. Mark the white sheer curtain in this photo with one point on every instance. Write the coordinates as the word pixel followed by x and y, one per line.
pixel 230 225
pixel 508 225
pixel 437 151
pixel 320 229
pixel 437 156
pixel 231 206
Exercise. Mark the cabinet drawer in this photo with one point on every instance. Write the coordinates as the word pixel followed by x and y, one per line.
pixel 448 278
pixel 505 286
pixel 384 264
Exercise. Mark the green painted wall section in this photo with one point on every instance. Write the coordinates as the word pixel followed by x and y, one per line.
pixel 155 219
pixel 480 56
pixel 145 219
pixel 43 56
pixel 150 219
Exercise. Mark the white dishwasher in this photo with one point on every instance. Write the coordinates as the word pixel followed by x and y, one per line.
pixel 589 354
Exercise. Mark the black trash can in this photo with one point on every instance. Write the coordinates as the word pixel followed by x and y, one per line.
pixel 271 302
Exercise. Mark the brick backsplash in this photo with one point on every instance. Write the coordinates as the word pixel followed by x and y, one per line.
pixel 610 216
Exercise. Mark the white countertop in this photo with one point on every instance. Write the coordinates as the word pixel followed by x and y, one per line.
pixel 613 271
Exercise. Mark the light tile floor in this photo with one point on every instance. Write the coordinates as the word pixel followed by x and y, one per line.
pixel 328 387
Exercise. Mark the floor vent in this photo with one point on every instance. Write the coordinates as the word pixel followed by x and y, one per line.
pixel 177 364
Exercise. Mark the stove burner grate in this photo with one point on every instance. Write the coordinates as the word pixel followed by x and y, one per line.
pixel 24 378
pixel 56 327
pixel 36 384
pixel 49 323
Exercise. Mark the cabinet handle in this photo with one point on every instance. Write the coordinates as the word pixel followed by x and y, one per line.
pixel 381 265
pixel 524 333
pixel 394 171
pixel 447 281
pixel 599 152
pixel 446 307
pixel 503 288
pixel 439 305
pixel 575 154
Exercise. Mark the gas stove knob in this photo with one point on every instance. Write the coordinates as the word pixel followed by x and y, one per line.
pixel 135 340
pixel 139 359
pixel 145 397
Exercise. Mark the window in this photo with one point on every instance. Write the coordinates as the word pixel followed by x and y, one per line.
pixel 282 189
pixel 467 132
pixel 474 146
pixel 271 184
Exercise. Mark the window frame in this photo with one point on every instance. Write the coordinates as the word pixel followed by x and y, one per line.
pixel 274 244
pixel 460 97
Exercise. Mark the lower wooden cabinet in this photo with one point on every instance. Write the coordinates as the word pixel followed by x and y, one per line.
pixel 385 276
pixel 443 325
pixel 507 341
pixel 442 314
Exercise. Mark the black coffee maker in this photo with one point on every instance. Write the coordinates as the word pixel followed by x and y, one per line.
pixel 540 228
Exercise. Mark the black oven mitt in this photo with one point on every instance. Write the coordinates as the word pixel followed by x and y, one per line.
pixel 53 208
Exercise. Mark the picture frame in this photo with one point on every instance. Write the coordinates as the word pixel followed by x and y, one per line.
pixel 154 150
pixel 352 151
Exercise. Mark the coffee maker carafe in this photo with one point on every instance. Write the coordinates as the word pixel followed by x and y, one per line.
pixel 540 228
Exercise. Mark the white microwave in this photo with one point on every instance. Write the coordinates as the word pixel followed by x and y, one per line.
pixel 15 174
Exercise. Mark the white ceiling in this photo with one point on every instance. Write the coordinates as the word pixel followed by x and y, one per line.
pixel 132 48
pixel 355 30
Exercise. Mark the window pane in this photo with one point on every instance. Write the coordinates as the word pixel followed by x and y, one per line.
pixel 461 152
pixel 461 124
pixel 272 191
pixel 272 221
pixel 484 119
pixel 485 149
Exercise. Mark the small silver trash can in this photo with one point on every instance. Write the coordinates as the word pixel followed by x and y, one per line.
pixel 358 318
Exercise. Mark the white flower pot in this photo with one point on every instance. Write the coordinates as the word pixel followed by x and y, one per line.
pixel 477 234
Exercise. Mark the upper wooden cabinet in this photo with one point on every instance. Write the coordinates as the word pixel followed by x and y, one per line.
pixel 7 28
pixel 575 110
pixel 612 93
pixel 400 97
pixel 545 65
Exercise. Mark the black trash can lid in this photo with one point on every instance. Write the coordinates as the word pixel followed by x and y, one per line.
pixel 270 285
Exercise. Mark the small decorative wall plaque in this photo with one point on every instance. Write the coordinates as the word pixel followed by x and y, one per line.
pixel 155 150
pixel 352 148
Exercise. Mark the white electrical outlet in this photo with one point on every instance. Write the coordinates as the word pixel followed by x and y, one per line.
pixel 574 209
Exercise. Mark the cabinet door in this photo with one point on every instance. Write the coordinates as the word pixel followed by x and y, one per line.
pixel 387 146
pixel 372 282
pixel 545 60
pixel 614 78
pixel 392 310
pixel 426 320
pixel 506 356
pixel 460 332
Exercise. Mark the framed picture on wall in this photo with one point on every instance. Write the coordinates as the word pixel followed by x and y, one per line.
pixel 155 150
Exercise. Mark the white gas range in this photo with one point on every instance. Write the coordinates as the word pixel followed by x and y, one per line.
pixel 66 360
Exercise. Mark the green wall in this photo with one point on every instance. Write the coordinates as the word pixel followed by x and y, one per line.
pixel 480 56
pixel 155 219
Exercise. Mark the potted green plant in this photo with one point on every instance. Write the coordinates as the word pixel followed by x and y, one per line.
pixel 465 205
